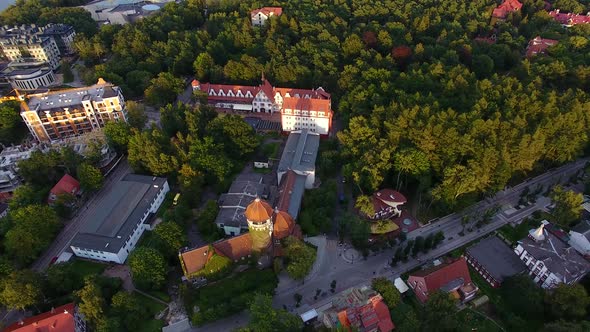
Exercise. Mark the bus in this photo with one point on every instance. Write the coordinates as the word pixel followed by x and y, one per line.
pixel 176 199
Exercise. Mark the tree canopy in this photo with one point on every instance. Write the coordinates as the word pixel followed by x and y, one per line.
pixel 387 289
pixel 148 268
pixel 263 317
pixel 568 206
pixel 300 257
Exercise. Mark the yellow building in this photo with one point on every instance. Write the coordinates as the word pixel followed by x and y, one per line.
pixel 60 114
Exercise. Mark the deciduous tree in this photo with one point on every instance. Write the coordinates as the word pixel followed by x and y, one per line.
pixel 148 268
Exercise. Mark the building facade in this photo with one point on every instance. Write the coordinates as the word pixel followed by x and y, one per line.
pixel 549 260
pixel 25 42
pixel 63 35
pixel 299 109
pixel 261 15
pixel 120 218
pixel 580 238
pixel 23 75
pixel 61 114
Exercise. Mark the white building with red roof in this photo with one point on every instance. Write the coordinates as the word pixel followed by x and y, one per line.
pixel 299 108
pixel 539 45
pixel 261 15
pixel 569 19
pixel 60 319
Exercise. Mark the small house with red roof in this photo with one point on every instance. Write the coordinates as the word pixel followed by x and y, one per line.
pixel 60 319
pixel 358 309
pixel 508 6
pixel 67 185
pixel 569 19
pixel 451 277
pixel 539 45
pixel 261 15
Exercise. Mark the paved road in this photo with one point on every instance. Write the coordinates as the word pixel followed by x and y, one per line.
pixel 333 267
pixel 61 243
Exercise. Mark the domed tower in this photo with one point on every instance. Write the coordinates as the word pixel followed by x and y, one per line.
pixel 259 217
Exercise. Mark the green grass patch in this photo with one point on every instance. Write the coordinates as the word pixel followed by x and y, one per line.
pixel 86 268
pixel 470 320
pixel 153 308
pixel 383 227
pixel 484 287
pixel 270 150
pixel 514 234
pixel 161 295
pixel 230 295
pixel 263 170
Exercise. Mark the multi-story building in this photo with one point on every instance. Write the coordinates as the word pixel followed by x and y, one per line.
pixel 63 35
pixel 28 74
pixel 118 220
pixel 298 108
pixel 508 6
pixel 539 45
pixel 494 260
pixel 261 15
pixel 9 158
pixel 28 41
pixel 299 155
pixel 569 19
pixel 60 114
pixel 549 260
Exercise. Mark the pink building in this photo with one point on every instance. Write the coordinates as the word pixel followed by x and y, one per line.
pixel 539 45
pixel 508 6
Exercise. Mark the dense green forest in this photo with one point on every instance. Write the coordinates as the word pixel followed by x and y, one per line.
pixel 418 95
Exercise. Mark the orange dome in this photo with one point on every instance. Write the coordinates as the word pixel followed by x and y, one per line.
pixel 258 211
pixel 283 225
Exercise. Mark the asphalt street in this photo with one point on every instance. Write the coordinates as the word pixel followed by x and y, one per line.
pixel 334 267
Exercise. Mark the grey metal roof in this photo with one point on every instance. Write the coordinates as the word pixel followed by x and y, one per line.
pixel 72 97
pixel 496 257
pixel 300 151
pixel 232 216
pixel 560 258
pixel 296 196
pixel 114 218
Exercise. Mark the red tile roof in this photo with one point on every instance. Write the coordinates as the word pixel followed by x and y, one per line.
pixel 373 316
pixel 384 201
pixel 267 88
pixel 318 93
pixel 307 104
pixel 61 319
pixel 236 247
pixel 258 211
pixel 283 225
pixel 570 18
pixel 214 90
pixel 506 7
pixel 267 11
pixel 539 45
pixel 195 83
pixel 439 276
pixel 194 260
pixel 285 191
pixel 66 185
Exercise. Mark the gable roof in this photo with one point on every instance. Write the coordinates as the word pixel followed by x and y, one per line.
pixel 440 276
pixel 66 185
pixel 267 88
pixel 283 225
pixel 569 18
pixel 267 11
pixel 60 319
pixel 194 260
pixel 307 104
pixel 539 45
pixel 235 248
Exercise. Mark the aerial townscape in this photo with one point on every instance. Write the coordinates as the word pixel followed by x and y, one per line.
pixel 262 166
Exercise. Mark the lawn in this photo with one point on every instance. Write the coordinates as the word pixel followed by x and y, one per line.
pixel 230 295
pixel 514 234
pixel 85 268
pixel 153 308
pixel 470 320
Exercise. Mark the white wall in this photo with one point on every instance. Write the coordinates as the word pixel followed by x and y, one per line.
pixel 314 124
pixel 580 243
pixel 532 265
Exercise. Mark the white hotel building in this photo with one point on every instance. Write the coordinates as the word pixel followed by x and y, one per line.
pixel 299 108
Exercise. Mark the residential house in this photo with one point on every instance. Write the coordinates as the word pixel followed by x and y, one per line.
pixel 580 238
pixel 67 185
pixel 549 260
pixel 386 204
pixel 358 309
pixel 298 108
pixel 494 260
pixel 56 115
pixel 116 222
pixel 569 19
pixel 539 45
pixel 508 6
pixel 451 276
pixel 61 319
pixel 261 15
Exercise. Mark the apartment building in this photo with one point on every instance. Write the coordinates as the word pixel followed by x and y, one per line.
pixel 56 115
